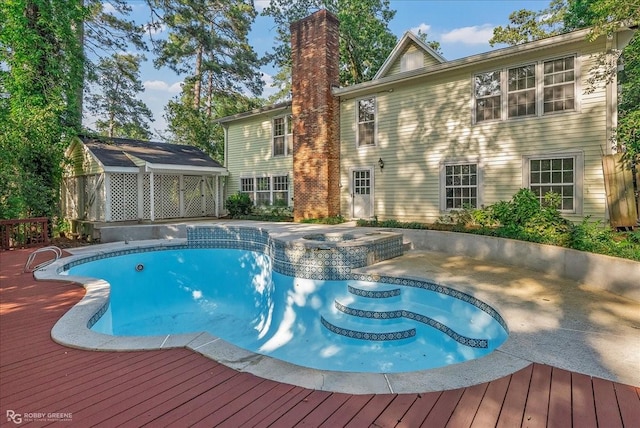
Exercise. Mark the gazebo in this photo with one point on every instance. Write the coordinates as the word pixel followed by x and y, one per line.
pixel 115 179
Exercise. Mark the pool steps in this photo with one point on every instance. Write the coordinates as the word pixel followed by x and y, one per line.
pixel 378 312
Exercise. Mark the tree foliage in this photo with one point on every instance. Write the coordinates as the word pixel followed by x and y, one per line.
pixel 208 43
pixel 365 38
pixel 120 113
pixel 41 68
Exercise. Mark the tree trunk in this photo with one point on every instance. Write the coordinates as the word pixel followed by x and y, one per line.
pixel 197 83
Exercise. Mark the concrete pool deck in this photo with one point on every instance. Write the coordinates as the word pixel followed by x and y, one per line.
pixel 574 325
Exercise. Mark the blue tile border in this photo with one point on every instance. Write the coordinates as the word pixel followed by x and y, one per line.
pixel 400 313
pixel 362 335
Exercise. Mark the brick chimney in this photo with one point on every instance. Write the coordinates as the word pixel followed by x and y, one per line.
pixel 315 52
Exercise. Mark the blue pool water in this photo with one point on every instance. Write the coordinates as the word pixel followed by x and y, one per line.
pixel 235 295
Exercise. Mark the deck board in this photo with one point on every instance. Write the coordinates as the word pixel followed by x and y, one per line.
pixel 394 412
pixel 491 404
pixel 606 403
pixel 560 399
pixel 177 387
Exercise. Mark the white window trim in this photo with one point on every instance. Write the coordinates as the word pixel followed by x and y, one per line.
pixel 271 190
pixel 537 66
pixel 287 119
pixel 577 87
pixel 375 123
pixel 411 60
pixel 504 78
pixel 474 110
pixel 442 173
pixel 578 175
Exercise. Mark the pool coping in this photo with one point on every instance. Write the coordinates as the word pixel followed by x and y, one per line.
pixel 506 359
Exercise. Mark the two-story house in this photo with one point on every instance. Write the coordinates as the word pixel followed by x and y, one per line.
pixel 427 135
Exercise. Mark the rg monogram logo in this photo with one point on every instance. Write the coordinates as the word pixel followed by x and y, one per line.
pixel 14 417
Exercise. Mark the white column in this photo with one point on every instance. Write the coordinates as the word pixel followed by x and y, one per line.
pixel 152 202
pixel 108 199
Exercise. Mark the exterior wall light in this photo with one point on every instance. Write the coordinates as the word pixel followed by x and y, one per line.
pixel 381 163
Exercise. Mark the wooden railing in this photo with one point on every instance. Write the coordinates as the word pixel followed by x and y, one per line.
pixel 20 233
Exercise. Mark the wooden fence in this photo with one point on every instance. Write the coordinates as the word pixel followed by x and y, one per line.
pixel 20 233
pixel 621 199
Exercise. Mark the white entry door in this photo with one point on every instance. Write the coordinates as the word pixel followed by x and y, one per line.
pixel 362 193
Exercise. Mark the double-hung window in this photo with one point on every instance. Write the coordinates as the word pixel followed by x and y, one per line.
pixel 460 185
pixel 366 117
pixel 488 95
pixel 559 85
pixel 521 83
pixel 560 174
pixel 280 190
pixel 263 190
pixel 247 186
pixel 533 89
pixel 282 136
pixel 267 190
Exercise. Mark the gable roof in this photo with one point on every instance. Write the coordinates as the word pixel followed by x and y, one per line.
pixel 407 39
pixel 153 156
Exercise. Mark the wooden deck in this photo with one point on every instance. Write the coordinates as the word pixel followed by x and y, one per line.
pixel 181 388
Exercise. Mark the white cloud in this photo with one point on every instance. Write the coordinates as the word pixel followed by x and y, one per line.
pixel 476 35
pixel 153 30
pixel 424 28
pixel 108 8
pixel 161 85
pixel 261 5
pixel 268 88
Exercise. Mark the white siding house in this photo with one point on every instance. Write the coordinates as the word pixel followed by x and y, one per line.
pixel 427 135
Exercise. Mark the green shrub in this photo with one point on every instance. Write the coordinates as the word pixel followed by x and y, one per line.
pixel 239 204
pixel 324 220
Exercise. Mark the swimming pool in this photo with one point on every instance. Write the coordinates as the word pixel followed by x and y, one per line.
pixel 357 324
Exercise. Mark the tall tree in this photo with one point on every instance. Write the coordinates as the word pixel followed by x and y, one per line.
pixel 41 68
pixel 208 43
pixel 365 38
pixel 120 113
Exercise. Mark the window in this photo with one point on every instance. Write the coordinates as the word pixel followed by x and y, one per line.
pixel 412 60
pixel 263 190
pixel 559 85
pixel 531 90
pixel 522 91
pixel 282 136
pixel 272 190
pixel 366 132
pixel 460 185
pixel 488 96
pixel 247 186
pixel 557 175
pixel 281 190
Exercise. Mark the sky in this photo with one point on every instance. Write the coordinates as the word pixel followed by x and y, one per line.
pixel 463 28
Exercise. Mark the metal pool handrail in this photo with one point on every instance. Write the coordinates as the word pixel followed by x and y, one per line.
pixel 52 248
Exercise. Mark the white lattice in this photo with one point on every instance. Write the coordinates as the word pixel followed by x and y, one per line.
pixel 124 197
pixel 192 196
pixel 209 196
pixel 70 197
pixel 166 190
pixel 94 197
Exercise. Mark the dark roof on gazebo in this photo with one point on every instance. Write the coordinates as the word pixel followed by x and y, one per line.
pixel 112 152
